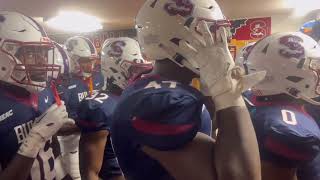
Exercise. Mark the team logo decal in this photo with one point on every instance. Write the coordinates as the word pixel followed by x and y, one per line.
pixel 116 50
pixel 294 48
pixel 258 29
pixel 179 7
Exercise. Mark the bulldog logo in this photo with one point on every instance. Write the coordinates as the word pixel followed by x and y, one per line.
pixel 294 48
pixel 179 7
pixel 258 29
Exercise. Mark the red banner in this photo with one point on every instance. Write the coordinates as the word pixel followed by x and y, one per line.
pixel 245 31
pixel 251 29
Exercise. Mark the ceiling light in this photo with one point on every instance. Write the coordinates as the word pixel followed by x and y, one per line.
pixel 73 21
pixel 303 7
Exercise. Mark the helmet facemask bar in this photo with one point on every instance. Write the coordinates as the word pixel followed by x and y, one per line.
pixel 314 65
pixel 310 64
pixel 137 69
pixel 31 62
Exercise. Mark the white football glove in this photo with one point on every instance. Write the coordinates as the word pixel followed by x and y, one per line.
pixel 43 128
pixel 223 80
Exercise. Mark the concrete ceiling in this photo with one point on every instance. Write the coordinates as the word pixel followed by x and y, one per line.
pixel 119 14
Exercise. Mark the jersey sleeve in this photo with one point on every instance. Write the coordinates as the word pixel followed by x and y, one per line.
pixel 287 136
pixel 94 113
pixel 163 120
pixel 206 122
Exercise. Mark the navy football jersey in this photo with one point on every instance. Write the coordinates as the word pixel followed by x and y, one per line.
pixel 110 165
pixel 161 114
pixel 16 117
pixel 314 111
pixel 310 170
pixel 74 89
pixel 286 133
pixel 95 114
pixel 95 111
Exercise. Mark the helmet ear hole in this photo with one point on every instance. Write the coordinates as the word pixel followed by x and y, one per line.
pixel 294 79
pixel 189 22
pixel 176 41
pixel 265 49
pixel 301 63
pixel 113 70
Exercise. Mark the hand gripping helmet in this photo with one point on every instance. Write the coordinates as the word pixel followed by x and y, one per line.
pixel 162 22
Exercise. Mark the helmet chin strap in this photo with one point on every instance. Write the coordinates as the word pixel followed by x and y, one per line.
pixel 181 61
pixel 89 82
pixel 311 101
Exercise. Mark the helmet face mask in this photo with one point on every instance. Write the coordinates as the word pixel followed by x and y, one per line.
pixel 24 53
pixel 59 56
pixel 242 56
pixel 314 65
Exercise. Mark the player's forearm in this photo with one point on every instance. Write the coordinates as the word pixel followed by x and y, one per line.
pixel 275 172
pixel 91 152
pixel 18 169
pixel 236 152
pixel 90 175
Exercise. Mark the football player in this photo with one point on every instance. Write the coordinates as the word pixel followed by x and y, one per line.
pixel 121 64
pixel 83 82
pixel 30 112
pixel 287 135
pixel 311 170
pixel 156 127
